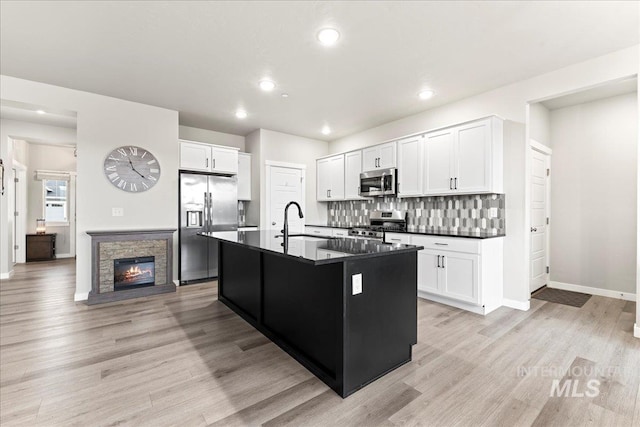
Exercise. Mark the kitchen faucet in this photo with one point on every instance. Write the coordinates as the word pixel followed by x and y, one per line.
pixel 285 231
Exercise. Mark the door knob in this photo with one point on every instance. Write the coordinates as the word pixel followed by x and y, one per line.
pixel 273 223
pixel 533 230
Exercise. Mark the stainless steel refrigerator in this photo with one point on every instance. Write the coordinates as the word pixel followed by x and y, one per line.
pixel 207 203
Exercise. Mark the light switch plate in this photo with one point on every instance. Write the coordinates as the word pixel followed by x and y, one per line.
pixel 117 212
pixel 356 284
pixel 493 212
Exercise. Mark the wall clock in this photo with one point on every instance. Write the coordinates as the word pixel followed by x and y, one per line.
pixel 132 169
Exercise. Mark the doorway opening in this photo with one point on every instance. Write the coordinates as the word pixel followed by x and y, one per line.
pixel 41 151
pixel 589 214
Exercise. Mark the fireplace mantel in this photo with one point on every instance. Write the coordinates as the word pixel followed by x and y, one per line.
pixel 107 245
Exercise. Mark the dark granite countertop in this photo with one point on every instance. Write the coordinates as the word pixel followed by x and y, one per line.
pixel 330 226
pixel 446 233
pixel 312 249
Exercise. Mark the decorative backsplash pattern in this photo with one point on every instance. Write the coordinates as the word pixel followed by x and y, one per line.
pixel 483 212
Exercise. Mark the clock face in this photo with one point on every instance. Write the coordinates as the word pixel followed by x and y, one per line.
pixel 132 169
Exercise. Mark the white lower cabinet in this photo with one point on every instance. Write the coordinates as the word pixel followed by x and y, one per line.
pixel 462 272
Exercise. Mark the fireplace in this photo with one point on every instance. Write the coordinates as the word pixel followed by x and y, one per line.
pixel 131 273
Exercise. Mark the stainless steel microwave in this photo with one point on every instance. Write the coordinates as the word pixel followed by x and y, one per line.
pixel 381 182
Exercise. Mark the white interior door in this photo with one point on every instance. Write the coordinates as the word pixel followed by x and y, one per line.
pixel 285 185
pixel 539 213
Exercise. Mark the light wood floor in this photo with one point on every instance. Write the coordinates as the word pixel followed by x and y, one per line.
pixel 185 359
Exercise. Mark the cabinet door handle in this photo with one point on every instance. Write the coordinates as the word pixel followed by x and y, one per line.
pixel 442 244
pixel 443 266
pixel 450 183
pixel 329 193
pixel 214 163
pixel 455 185
pixel 438 261
pixel 206 163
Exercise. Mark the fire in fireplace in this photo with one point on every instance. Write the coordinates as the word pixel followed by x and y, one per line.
pixel 133 272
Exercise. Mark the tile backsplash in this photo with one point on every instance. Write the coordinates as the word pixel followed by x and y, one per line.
pixel 480 212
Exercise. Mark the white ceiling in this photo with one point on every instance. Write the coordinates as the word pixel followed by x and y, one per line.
pixel 205 59
pixel 608 90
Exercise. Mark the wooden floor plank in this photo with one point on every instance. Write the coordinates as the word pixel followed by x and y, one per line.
pixel 185 359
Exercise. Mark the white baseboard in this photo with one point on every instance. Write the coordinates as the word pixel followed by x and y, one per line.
pixel 5 276
pixel 636 330
pixel 60 256
pixel 518 305
pixel 176 282
pixel 593 291
pixel 454 303
pixel 81 296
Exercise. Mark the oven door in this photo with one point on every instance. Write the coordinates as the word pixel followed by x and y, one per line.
pixel 378 183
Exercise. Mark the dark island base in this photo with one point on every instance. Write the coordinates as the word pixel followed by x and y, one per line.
pixel 309 311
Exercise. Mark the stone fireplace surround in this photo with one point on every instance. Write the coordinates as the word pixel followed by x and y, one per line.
pixel 106 246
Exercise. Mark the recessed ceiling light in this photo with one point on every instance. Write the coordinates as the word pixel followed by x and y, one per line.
pixel 426 94
pixel 326 130
pixel 267 85
pixel 40 112
pixel 285 95
pixel 328 36
pixel 241 114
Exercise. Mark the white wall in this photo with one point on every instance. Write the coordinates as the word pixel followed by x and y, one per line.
pixel 103 124
pixel 277 146
pixel 47 157
pixel 509 102
pixel 267 145
pixel 539 124
pixel 252 145
pixel 211 137
pixel 593 194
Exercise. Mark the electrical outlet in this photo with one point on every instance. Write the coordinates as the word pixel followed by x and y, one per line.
pixel 117 212
pixel 356 284
pixel 493 212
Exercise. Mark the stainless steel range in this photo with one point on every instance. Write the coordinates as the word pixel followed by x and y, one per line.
pixel 381 221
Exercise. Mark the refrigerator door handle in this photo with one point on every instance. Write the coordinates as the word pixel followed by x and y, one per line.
pixel 205 222
pixel 210 212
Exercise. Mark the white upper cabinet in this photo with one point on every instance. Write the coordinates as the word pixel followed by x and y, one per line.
pixel 410 166
pixel 244 176
pixel 330 178
pixel 208 158
pixel 473 157
pixel 438 161
pixel 464 159
pixel 224 160
pixel 381 156
pixel 352 170
pixel 195 157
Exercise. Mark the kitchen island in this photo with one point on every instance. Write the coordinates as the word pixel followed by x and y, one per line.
pixel 344 308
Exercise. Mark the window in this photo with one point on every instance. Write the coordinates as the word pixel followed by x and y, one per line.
pixel 55 201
